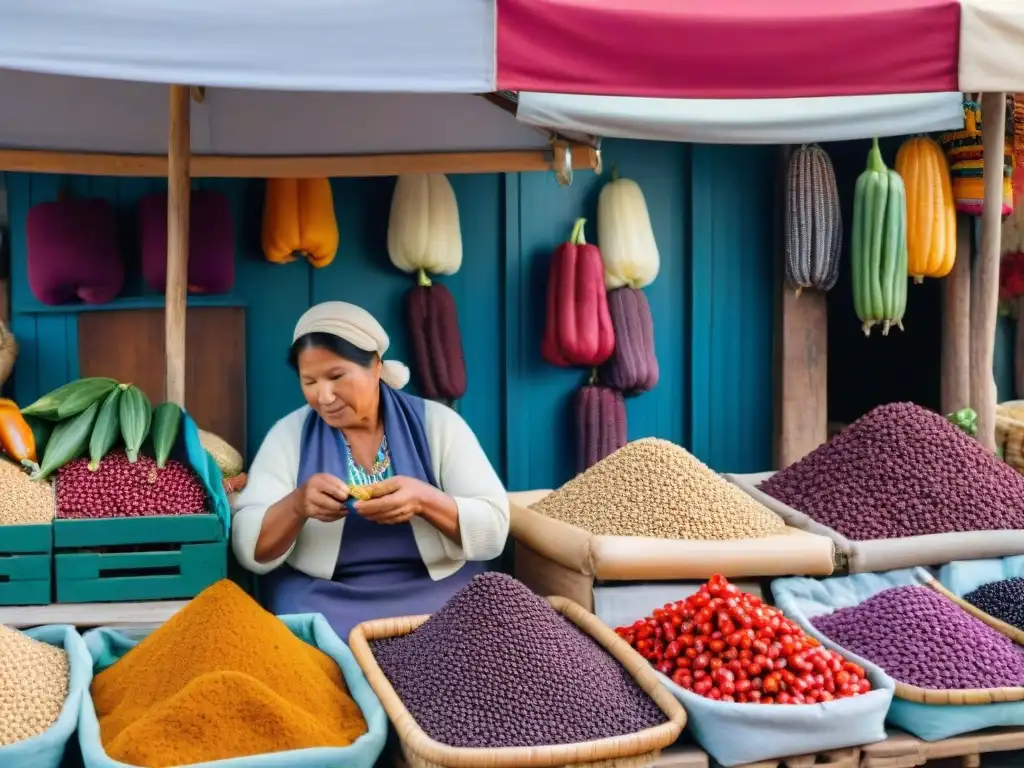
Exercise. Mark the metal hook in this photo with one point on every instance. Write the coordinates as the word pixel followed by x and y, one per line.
pixel 563 164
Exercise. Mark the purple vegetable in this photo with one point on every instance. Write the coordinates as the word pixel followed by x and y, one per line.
pixel 902 471
pixel 923 639
pixel 497 667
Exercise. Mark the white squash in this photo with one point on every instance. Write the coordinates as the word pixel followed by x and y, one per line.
pixel 423 228
pixel 625 236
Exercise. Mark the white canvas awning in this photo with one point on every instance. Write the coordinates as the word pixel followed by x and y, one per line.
pixel 991 45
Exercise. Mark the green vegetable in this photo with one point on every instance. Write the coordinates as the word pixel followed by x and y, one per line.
pixel 106 429
pixel 67 442
pixel 166 421
pixel 136 413
pixel 70 399
pixel 41 429
pixel 966 419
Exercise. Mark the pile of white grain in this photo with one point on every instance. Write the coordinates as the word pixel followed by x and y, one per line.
pixel 33 686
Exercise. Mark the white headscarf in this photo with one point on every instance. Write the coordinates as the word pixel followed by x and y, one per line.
pixel 356 326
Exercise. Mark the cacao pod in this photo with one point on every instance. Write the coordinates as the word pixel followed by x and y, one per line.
pixel 633 366
pixel 600 416
pixel 439 363
pixel 578 329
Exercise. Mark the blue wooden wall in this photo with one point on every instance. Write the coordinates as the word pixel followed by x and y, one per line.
pixel 711 208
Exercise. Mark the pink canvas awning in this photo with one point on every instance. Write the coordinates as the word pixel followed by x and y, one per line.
pixel 728 49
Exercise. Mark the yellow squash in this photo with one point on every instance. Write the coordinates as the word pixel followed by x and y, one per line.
pixel 931 212
pixel 298 220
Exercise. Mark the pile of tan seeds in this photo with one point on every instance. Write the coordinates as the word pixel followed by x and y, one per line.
pixel 23 501
pixel 33 686
pixel 657 489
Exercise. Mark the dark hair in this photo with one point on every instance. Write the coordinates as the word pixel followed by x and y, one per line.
pixel 332 343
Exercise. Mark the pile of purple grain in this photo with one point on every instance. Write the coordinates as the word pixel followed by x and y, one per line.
pixel 921 638
pixel 119 488
pixel 498 667
pixel 902 471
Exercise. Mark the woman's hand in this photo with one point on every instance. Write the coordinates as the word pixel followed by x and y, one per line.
pixel 397 500
pixel 322 497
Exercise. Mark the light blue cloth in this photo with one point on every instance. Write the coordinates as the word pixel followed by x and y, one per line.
pixel 803 599
pixel 734 734
pixel 47 749
pixel 190 449
pixel 106 646
pixel 965 576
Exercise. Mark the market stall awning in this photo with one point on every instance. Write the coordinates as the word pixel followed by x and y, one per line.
pixel 729 49
pixel 744 121
pixel 992 46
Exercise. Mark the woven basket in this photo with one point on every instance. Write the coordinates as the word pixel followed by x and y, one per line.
pixel 1010 432
pixel 965 696
pixel 420 751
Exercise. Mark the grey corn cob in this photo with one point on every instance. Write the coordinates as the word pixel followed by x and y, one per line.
pixel 813 221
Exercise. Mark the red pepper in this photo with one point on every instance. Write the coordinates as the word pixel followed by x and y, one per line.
pixel 578 327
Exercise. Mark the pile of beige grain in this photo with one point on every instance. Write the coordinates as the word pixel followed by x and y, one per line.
pixel 654 488
pixel 23 501
pixel 33 686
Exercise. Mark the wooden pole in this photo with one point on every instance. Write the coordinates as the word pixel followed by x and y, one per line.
pixel 985 283
pixel 178 194
pixel 956 322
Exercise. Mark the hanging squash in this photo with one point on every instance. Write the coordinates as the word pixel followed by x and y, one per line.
pixel 633 366
pixel 423 228
pixel 72 252
pixel 299 220
pixel 440 366
pixel 931 214
pixel 578 329
pixel 966 160
pixel 600 419
pixel 424 236
pixel 814 222
pixel 625 235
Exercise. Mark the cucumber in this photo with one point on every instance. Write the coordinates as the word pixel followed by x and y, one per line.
pixel 166 421
pixel 135 412
pixel 857 241
pixel 67 442
pixel 41 429
pixel 895 211
pixel 106 429
pixel 70 399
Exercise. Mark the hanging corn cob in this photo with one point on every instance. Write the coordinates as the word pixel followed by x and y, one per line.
pixel 931 214
pixel 878 249
pixel 814 224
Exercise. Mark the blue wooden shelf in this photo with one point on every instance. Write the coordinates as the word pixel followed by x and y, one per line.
pixel 129 302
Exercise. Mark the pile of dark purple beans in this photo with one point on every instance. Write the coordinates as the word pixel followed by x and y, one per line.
pixel 902 471
pixel 497 667
pixel 1003 600
pixel 921 638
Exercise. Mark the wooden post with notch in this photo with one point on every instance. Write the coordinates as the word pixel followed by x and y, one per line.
pixel 956 322
pixel 178 194
pixel 985 282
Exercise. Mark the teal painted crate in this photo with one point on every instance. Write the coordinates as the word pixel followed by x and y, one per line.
pixel 26 564
pixel 138 558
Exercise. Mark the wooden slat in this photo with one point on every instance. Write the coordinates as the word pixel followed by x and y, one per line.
pixel 128 345
pixel 178 198
pixel 267 167
pixel 956 323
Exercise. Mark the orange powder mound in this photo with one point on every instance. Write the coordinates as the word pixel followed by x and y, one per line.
pixel 222 679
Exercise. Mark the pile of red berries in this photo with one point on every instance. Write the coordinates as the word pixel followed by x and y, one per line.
pixel 727 645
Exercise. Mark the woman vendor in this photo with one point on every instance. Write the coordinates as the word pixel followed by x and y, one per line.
pixel 437 510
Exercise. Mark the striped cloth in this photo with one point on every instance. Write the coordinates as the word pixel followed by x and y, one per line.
pixel 966 161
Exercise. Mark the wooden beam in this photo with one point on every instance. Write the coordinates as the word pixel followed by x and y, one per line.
pixel 985 282
pixel 956 322
pixel 178 197
pixel 268 167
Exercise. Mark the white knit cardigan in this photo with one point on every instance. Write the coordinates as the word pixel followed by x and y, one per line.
pixel 460 467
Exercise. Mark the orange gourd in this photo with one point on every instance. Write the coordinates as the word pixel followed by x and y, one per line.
pixel 931 211
pixel 299 220
pixel 16 436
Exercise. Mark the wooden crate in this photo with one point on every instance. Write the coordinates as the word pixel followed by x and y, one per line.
pixel 137 558
pixel 26 564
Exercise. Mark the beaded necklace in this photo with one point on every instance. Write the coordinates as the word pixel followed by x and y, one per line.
pixel 377 472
